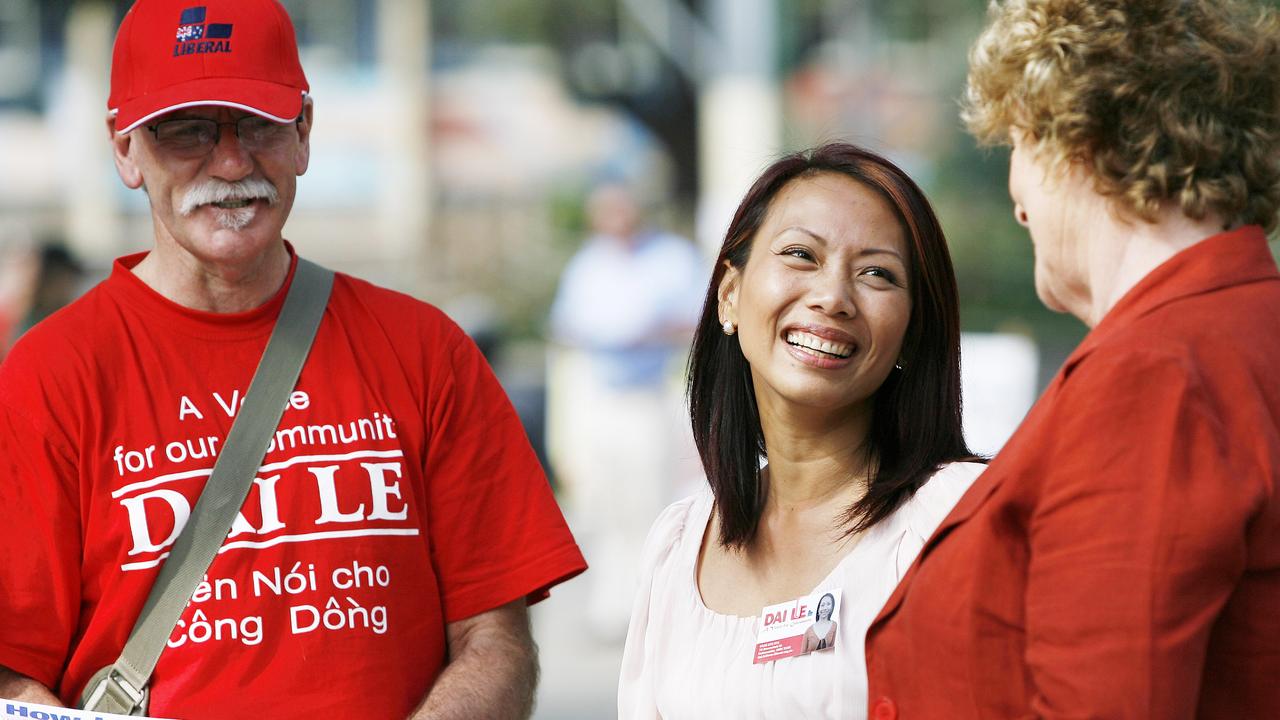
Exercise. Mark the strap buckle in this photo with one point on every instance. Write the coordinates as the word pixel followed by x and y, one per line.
pixel 113 693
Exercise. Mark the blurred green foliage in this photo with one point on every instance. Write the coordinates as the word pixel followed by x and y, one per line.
pixel 562 23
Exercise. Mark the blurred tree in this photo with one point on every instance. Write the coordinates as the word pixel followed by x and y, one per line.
pixel 563 24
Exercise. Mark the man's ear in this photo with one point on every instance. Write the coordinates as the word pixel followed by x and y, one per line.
pixel 123 151
pixel 303 157
pixel 727 293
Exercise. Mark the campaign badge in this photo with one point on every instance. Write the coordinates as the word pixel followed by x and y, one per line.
pixel 798 627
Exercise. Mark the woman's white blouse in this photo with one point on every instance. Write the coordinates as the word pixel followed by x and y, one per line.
pixel 683 661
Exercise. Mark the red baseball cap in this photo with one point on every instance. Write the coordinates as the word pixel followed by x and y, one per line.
pixel 171 54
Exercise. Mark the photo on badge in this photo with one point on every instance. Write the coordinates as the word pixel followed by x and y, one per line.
pixel 798 627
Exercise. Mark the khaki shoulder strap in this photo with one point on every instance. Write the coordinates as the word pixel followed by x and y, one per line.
pixel 121 687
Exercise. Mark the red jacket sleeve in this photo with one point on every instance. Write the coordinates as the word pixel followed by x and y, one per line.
pixel 1136 542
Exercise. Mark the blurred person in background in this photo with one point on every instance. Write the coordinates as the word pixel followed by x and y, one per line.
pixel 626 307
pixel 17 273
pixel 829 345
pixel 1120 558
pixel 33 284
pixel 57 282
pixel 382 568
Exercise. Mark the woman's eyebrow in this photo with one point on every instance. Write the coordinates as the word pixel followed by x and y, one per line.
pixel 820 238
pixel 881 251
pixel 804 230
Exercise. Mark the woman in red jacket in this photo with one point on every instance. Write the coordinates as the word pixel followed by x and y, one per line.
pixel 1120 558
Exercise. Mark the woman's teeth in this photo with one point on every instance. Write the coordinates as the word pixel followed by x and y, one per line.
pixel 813 342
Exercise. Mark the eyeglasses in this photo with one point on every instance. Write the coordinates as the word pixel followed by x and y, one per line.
pixel 190 138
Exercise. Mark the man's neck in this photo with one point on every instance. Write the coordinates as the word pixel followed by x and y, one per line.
pixel 214 287
pixel 1122 253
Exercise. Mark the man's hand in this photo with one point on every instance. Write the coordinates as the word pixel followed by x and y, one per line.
pixel 492 669
pixel 20 687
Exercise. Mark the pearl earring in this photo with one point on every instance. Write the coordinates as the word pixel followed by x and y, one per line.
pixel 727 326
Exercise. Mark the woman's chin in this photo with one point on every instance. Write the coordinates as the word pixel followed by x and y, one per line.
pixel 821 397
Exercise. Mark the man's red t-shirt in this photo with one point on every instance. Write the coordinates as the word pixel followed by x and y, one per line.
pixel 399 494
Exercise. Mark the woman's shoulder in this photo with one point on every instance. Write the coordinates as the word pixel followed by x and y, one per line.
pixel 919 516
pixel 939 494
pixel 681 522
pixel 953 478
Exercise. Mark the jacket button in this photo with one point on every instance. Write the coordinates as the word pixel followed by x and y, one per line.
pixel 884 710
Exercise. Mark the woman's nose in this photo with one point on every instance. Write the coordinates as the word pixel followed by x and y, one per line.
pixel 832 295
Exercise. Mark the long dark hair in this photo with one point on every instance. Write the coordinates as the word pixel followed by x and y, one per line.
pixel 915 425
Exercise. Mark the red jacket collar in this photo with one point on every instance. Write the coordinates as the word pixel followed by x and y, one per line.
pixel 1230 258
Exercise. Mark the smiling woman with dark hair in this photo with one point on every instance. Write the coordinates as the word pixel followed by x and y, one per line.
pixel 825 398
pixel 822 633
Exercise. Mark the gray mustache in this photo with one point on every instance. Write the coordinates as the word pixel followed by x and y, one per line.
pixel 215 191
